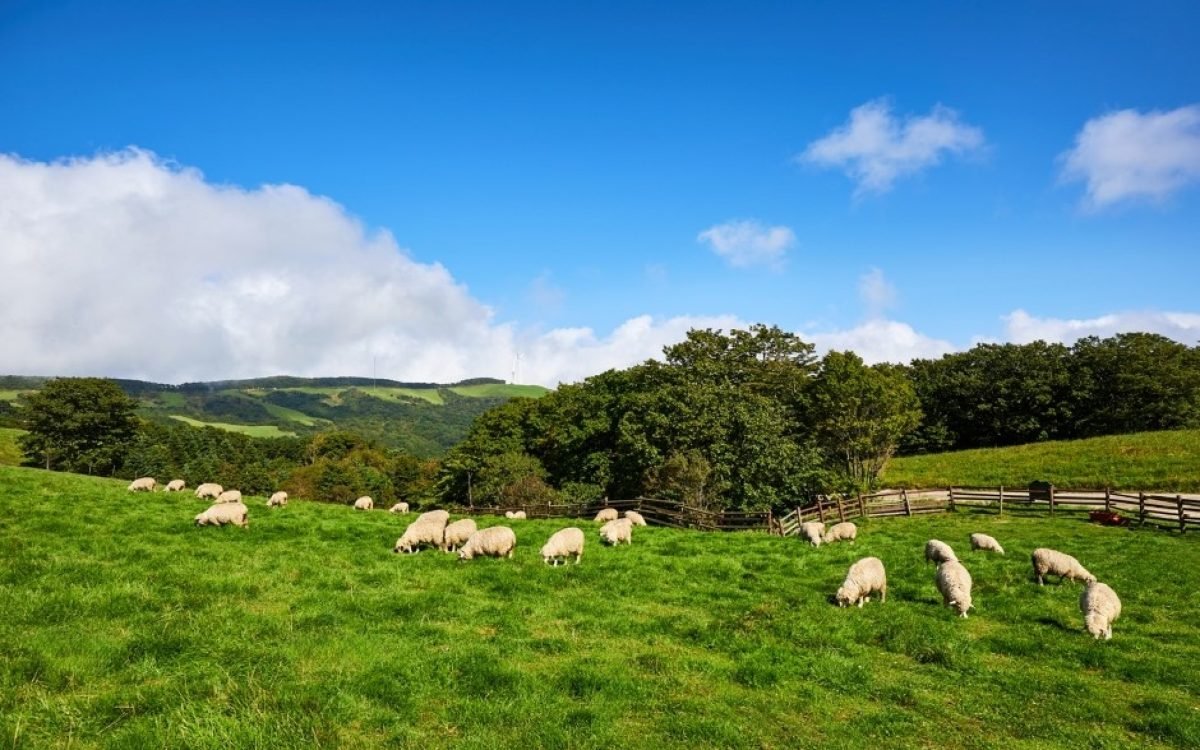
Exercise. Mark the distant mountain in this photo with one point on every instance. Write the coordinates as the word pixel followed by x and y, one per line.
pixel 422 418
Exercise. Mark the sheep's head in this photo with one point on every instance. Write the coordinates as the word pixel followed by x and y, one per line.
pixel 465 554
pixel 1096 625
pixel 845 596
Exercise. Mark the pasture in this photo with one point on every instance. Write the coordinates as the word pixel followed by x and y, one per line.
pixel 253 430
pixel 124 626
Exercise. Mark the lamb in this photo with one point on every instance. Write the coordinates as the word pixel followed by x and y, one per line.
pixel 517 514
pixel 1052 562
pixel 841 531
pixel 616 531
pixel 607 514
pixel 986 543
pixel 562 544
pixel 144 484
pixel 954 582
pixel 864 578
pixel 278 500
pixel 1100 607
pixel 222 513
pixel 635 518
pixel 938 552
pixel 209 490
pixel 398 508
pixel 429 528
pixel 457 534
pixel 812 531
pixel 364 503
pixel 229 496
pixel 176 485
pixel 497 541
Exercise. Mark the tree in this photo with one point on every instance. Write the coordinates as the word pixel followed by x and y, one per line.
pixel 78 424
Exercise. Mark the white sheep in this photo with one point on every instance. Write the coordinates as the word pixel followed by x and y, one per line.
pixel 1100 606
pixel 607 514
pixel 864 578
pixel 399 508
pixel 222 513
pixel 209 490
pixel 812 531
pixel 428 529
pixel 364 503
pixel 954 582
pixel 635 518
pixel 517 514
pixel 1052 562
pixel 562 544
pixel 938 552
pixel 143 484
pixel 841 531
pixel 432 515
pixel 616 531
pixel 986 543
pixel 496 541
pixel 457 534
pixel 278 500
pixel 176 485
pixel 229 496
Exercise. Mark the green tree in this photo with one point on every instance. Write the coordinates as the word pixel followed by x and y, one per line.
pixel 78 424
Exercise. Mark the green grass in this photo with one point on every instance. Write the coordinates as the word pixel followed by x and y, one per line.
pixel 500 390
pixel 124 626
pixel 1165 460
pixel 10 452
pixel 253 430
pixel 401 394
pixel 291 415
pixel 11 395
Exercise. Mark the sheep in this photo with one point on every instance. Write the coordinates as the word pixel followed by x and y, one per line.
pixel 562 544
pixel 954 582
pixel 219 514
pixel 515 514
pixel 497 541
pixel 364 503
pixel 457 534
pixel 812 531
pixel 427 529
pixel 616 531
pixel 635 518
pixel 938 552
pixel 607 514
pixel 840 531
pixel 1100 606
pixel 176 485
pixel 399 508
pixel 278 500
pixel 1052 562
pixel 864 578
pixel 209 490
pixel 986 543
pixel 144 484
pixel 229 496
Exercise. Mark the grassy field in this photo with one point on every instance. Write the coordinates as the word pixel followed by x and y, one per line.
pixel 397 394
pixel 125 626
pixel 500 390
pixel 291 415
pixel 10 452
pixel 253 430
pixel 1168 460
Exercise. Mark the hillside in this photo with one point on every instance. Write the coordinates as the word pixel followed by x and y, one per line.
pixel 422 418
pixel 1167 460
pixel 130 627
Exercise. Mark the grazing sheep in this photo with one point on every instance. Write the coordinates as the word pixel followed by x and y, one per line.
pixel 176 485
pixel 562 544
pixel 607 514
pixel 517 514
pixel 616 531
pixel 812 531
pixel 954 582
pixel 230 496
pixel 364 503
pixel 209 490
pixel 144 484
pixel 219 514
pixel 938 552
pixel 635 518
pixel 864 578
pixel 1100 607
pixel 497 541
pixel 986 543
pixel 841 531
pixel 1052 562
pixel 457 534
pixel 278 500
pixel 398 508
pixel 427 529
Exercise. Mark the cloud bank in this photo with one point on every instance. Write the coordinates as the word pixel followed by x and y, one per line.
pixel 745 243
pixel 1022 328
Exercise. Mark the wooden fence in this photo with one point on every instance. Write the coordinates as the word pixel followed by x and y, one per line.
pixel 656 512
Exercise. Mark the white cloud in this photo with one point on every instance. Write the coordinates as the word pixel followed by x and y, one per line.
pixel 876 292
pixel 1022 328
pixel 545 294
pixel 745 243
pixel 1129 155
pixel 880 340
pixel 875 148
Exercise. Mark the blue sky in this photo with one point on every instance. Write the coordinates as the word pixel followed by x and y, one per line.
pixel 561 162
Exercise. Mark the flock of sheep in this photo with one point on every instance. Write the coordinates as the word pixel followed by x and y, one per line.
pixel 1098 603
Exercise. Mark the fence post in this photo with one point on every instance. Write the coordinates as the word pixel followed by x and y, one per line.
pixel 951 497
pixel 1182 522
pixel 1141 508
pixel 799 518
pixel 821 507
pixel 862 506
pixel 1001 499
pixel 771 522
pixel 841 511
pixel 1051 500
pixel 1107 500
pixel 907 507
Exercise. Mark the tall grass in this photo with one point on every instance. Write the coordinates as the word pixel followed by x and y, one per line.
pixel 10 452
pixel 122 625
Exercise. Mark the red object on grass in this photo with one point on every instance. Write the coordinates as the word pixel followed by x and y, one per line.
pixel 1108 518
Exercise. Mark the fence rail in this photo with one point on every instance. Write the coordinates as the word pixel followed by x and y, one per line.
pixel 656 511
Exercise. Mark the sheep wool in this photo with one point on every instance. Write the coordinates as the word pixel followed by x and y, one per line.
pixel 517 514
pixel 812 531
pixel 176 485
pixel 435 515
pixel 635 518
pixel 220 514
pixel 954 583
pixel 278 500
pixel 497 541
pixel 1052 562
pixel 457 534
pixel 938 552
pixel 1100 606
pixel 864 578
pixel 841 532
pixel 230 496
pixel 563 544
pixel 986 543
pixel 364 503
pixel 616 531
pixel 607 514
pixel 428 529
pixel 209 490
pixel 398 508
pixel 143 484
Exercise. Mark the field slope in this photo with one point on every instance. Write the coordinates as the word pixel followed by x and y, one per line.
pixel 125 626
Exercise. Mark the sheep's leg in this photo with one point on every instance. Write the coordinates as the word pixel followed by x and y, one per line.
pixel 883 595
pixel 578 557
pixel 861 602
